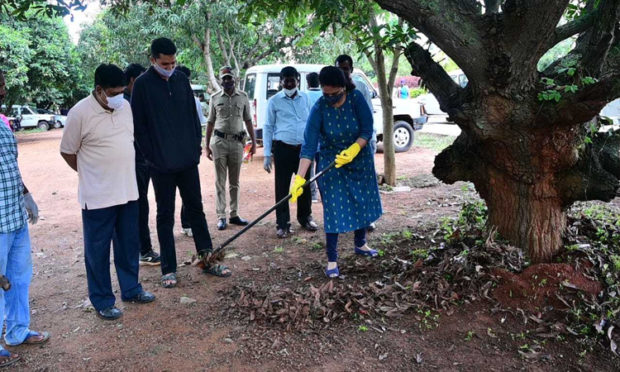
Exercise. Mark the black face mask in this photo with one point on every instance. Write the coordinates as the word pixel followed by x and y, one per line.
pixel 228 85
pixel 332 100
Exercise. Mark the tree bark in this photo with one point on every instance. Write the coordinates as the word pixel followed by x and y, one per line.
pixel 385 95
pixel 528 157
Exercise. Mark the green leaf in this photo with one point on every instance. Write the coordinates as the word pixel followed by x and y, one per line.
pixel 571 88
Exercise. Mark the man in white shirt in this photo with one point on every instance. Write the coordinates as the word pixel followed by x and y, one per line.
pixel 97 142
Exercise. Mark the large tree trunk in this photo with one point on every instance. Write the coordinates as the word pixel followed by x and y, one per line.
pixel 529 215
pixel 528 177
pixel 529 156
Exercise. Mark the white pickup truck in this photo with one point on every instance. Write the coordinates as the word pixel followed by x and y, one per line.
pixel 262 82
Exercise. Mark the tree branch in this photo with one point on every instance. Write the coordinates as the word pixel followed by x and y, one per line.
pixel 448 93
pixel 527 26
pixel 585 104
pixel 451 25
pixel 569 29
pixel 594 44
pixel 223 48
pixel 596 174
pixel 396 52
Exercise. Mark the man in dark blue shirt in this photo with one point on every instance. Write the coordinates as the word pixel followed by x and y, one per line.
pixel 168 133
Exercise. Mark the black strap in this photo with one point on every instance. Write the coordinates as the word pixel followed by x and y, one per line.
pixel 239 137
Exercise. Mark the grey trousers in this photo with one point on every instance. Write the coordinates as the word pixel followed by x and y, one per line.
pixel 227 158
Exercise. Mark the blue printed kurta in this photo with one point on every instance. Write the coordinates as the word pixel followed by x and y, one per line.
pixel 350 194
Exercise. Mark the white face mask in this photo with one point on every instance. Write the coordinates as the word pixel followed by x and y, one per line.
pixel 162 71
pixel 289 92
pixel 115 102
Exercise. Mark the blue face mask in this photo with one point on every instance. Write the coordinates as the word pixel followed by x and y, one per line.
pixel 162 71
pixel 332 100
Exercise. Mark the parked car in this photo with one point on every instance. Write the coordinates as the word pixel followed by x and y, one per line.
pixel 262 82
pixel 59 120
pixel 29 117
pixel 430 102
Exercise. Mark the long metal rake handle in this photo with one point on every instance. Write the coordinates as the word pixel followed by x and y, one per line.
pixel 284 200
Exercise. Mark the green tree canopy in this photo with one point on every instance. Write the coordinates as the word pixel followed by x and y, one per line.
pixel 40 63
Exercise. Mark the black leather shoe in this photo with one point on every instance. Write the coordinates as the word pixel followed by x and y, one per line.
pixel 142 298
pixel 221 224
pixel 238 221
pixel 310 225
pixel 111 313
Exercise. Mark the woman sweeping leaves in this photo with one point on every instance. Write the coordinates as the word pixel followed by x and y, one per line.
pixel 341 123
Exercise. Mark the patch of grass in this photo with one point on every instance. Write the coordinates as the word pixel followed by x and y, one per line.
pixel 432 141
pixel 470 335
pixel 316 247
pixel 419 253
pixel 362 328
pixel 428 320
pixel 279 249
pixel 407 234
pixel 26 132
pixel 388 238
pixel 615 259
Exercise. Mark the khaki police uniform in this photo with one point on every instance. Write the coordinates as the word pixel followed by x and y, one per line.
pixel 229 114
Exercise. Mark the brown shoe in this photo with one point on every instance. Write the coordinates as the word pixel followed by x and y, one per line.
pixel 34 338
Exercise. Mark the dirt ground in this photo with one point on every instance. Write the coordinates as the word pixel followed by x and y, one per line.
pixel 170 335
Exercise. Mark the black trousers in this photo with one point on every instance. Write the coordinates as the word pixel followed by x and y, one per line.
pixel 143 176
pixel 184 219
pixel 286 162
pixel 165 185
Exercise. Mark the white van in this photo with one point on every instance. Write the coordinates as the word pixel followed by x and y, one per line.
pixel 262 82
pixel 30 117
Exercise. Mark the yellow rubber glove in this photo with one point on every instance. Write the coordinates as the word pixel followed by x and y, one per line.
pixel 347 156
pixel 297 189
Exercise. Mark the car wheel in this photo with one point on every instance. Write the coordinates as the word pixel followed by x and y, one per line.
pixel 57 124
pixel 43 125
pixel 403 136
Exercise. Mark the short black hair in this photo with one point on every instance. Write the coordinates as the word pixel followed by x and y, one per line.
pixel 333 76
pixel 289 71
pixel 163 45
pixel 185 70
pixel 133 71
pixel 313 80
pixel 344 58
pixel 109 76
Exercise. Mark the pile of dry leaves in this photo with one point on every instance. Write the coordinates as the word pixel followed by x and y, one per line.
pixel 435 276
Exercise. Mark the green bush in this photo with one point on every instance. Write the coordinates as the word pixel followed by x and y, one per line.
pixel 415 92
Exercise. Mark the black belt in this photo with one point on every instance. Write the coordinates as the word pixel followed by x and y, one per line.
pixel 239 137
pixel 277 142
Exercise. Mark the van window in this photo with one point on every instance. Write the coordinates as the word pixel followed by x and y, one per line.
pixel 250 85
pixel 273 85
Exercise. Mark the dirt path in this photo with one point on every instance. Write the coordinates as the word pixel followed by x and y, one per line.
pixel 168 335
